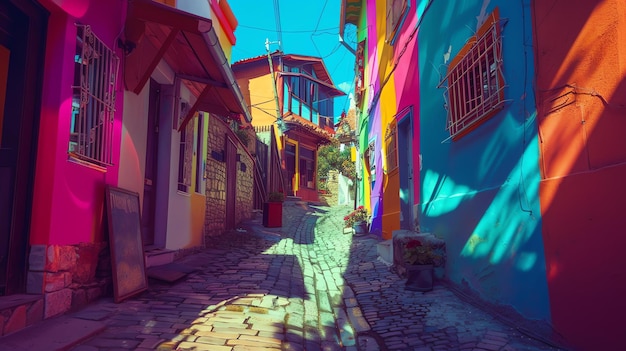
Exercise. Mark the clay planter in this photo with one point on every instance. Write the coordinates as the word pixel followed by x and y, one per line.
pixel 273 214
pixel 419 277
pixel 360 227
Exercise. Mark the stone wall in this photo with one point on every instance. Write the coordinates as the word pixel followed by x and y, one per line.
pixel 216 180
pixel 245 185
pixel 69 276
pixel 332 184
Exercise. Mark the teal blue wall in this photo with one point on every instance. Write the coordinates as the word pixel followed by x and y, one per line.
pixel 480 193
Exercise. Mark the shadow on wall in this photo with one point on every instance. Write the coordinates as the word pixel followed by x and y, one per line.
pixel 581 88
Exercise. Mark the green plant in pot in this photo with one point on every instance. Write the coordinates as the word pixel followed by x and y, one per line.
pixel 276 196
pixel 418 253
pixel 358 215
pixel 419 258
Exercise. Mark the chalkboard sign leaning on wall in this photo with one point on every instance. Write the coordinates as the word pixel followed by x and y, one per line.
pixel 127 257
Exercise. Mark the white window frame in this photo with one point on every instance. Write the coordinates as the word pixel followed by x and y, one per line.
pixel 185 155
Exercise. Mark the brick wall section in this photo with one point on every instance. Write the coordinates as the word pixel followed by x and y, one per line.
pixel 69 277
pixel 245 185
pixel 216 180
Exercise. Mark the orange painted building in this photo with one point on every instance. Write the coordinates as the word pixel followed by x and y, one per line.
pixel 303 101
pixel 581 108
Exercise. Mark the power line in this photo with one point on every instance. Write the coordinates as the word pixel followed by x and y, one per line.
pixel 338 63
pixel 279 34
pixel 320 17
pixel 289 31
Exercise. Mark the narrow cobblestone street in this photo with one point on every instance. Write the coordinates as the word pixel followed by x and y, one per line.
pixel 305 286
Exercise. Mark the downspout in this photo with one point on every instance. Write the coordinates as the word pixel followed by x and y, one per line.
pixel 218 55
pixel 343 42
pixel 357 168
pixel 342 25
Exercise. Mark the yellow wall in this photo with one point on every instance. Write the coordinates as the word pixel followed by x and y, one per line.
pixel 261 100
pixel 198 197
pixel 387 105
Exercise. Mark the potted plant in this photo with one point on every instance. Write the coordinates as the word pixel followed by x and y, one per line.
pixel 273 209
pixel 357 220
pixel 276 196
pixel 419 258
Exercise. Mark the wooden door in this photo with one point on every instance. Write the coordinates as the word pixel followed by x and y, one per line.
pixel 150 178
pixel 231 184
pixel 405 156
pixel 22 35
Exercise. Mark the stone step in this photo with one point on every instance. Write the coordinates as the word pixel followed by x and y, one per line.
pixel 54 334
pixel 158 257
pixel 19 311
pixel 385 251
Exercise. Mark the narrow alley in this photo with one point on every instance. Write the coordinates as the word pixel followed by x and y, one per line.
pixel 305 286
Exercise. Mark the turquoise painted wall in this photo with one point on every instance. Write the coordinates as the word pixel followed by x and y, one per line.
pixel 480 192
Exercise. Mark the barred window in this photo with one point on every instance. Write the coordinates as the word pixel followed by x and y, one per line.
pixel 475 80
pixel 359 77
pixel 396 10
pixel 185 152
pixel 93 101
pixel 391 144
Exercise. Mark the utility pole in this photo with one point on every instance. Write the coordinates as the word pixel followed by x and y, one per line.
pixel 279 115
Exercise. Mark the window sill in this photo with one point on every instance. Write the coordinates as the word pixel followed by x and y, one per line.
pixel 182 193
pixel 74 158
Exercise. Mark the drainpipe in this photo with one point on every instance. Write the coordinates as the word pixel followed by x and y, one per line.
pixel 218 55
pixel 343 42
pixel 342 25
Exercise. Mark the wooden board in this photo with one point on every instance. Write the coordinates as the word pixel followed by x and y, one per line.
pixel 127 257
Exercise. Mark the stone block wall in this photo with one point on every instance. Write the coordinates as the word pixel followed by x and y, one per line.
pixel 332 184
pixel 22 313
pixel 245 185
pixel 68 276
pixel 216 180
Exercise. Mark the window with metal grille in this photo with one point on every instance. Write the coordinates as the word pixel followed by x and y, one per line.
pixel 475 81
pixel 391 145
pixel 396 10
pixel 200 156
pixel 359 76
pixel 185 155
pixel 93 101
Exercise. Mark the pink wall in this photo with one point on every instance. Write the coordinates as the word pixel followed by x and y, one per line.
pixel 406 78
pixel 68 197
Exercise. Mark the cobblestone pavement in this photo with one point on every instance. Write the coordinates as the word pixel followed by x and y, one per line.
pixel 305 286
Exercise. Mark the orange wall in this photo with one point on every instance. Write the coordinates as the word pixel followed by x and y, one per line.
pixel 581 104
pixel 256 87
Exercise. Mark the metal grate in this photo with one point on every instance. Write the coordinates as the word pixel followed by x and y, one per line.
pixel 93 103
pixel 392 146
pixel 475 83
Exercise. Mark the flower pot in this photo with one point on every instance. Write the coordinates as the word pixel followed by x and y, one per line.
pixel 360 227
pixel 419 277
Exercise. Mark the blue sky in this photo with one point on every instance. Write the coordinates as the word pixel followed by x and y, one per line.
pixel 307 28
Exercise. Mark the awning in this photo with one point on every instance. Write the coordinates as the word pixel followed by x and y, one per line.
pixel 300 124
pixel 189 45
